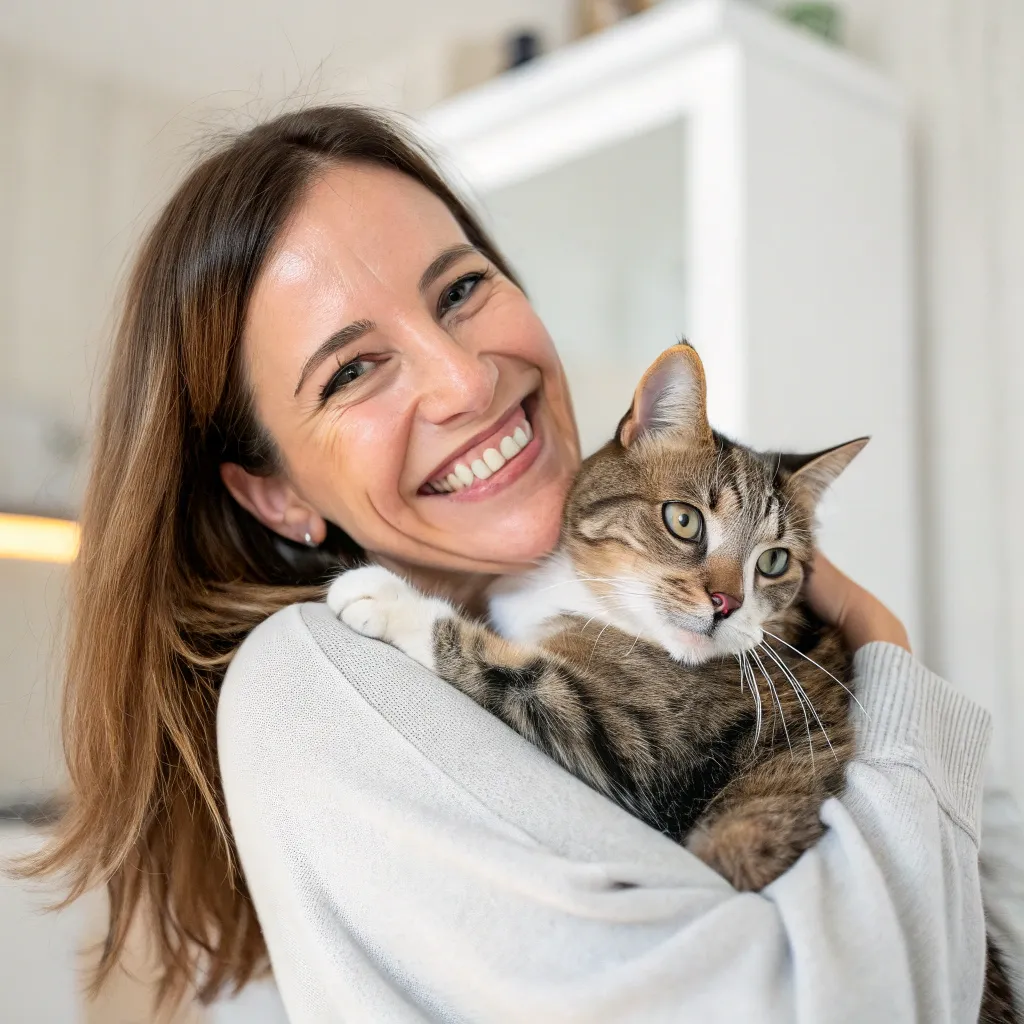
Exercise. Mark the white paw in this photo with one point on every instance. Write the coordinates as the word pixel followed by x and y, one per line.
pixel 377 603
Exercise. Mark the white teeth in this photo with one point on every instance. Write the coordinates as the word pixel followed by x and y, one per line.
pixel 494 459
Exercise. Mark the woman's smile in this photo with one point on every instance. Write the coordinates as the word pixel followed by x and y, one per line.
pixel 488 462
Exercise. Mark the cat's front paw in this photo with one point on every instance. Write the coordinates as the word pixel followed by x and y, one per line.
pixel 377 603
pixel 749 850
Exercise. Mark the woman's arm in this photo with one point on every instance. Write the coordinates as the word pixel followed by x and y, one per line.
pixel 411 858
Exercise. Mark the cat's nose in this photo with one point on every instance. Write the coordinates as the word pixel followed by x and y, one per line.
pixel 725 604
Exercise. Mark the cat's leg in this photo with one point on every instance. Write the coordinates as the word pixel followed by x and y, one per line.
pixel 760 823
pixel 534 691
pixel 377 603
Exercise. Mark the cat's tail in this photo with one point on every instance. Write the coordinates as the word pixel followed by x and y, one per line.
pixel 998 1005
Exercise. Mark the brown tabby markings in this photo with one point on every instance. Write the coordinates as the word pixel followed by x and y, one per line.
pixel 689 749
pixel 672 744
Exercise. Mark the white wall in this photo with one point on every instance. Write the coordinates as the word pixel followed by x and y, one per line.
pixel 961 63
pixel 39 962
pixel 83 162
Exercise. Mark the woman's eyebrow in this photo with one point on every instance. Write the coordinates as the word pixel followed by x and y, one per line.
pixel 440 263
pixel 334 343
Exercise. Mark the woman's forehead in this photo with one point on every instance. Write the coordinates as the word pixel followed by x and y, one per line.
pixel 362 218
pixel 355 248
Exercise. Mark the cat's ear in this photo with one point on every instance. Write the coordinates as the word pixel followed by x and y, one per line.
pixel 815 473
pixel 671 398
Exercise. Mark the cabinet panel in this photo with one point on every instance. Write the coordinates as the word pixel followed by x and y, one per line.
pixel 599 244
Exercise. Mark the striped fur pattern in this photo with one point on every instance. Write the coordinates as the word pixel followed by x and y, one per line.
pixel 676 745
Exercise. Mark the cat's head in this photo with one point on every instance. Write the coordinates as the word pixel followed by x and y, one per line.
pixel 687 538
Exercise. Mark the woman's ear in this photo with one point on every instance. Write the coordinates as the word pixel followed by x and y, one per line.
pixel 273 501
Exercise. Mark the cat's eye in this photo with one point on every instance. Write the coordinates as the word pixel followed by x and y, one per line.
pixel 773 562
pixel 683 521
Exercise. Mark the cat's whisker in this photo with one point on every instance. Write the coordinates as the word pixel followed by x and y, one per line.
pixel 589 579
pixel 636 640
pixel 802 693
pixel 752 683
pixel 778 702
pixel 820 668
pixel 596 642
pixel 807 721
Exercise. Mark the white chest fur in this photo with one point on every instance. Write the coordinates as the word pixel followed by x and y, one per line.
pixel 523 607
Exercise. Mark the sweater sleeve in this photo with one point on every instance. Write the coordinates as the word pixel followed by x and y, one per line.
pixel 412 859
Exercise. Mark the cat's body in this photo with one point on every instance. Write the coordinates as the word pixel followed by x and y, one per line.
pixel 681 747
pixel 663 654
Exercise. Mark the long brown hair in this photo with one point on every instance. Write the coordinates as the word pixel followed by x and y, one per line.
pixel 172 574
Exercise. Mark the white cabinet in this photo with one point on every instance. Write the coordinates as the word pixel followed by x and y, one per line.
pixel 705 171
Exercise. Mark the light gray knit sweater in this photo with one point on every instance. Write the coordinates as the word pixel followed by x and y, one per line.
pixel 413 859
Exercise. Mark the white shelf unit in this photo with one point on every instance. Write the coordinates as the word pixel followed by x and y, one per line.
pixel 706 170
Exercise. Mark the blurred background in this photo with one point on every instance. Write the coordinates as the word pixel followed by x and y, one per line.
pixel 827 198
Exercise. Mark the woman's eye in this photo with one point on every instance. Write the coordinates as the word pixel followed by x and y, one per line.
pixel 345 375
pixel 773 562
pixel 683 521
pixel 457 293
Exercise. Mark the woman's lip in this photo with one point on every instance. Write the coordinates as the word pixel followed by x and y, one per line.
pixel 505 477
pixel 492 431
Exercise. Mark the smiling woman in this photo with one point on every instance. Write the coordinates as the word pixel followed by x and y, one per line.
pixel 316 331
pixel 323 359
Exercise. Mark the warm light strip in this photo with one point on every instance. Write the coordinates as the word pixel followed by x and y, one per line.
pixel 36 539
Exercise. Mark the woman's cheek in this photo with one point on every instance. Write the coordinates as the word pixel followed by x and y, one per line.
pixel 355 467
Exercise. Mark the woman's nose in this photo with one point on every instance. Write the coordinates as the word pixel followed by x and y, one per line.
pixel 454 380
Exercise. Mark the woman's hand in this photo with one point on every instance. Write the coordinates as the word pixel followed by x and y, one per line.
pixel 859 615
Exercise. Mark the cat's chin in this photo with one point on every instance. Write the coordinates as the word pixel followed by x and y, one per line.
pixel 691 648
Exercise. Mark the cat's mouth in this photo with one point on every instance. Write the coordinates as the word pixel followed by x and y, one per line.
pixel 505 450
pixel 702 638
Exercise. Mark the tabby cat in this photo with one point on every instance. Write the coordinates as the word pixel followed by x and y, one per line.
pixel 664 654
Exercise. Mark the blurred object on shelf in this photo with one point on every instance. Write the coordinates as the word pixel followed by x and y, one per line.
pixel 521 48
pixel 823 20
pixel 597 15
pixel 475 61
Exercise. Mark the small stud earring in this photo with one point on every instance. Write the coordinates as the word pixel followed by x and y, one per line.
pixel 309 541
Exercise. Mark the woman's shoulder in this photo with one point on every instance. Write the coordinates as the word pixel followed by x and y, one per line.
pixel 277 653
pixel 281 682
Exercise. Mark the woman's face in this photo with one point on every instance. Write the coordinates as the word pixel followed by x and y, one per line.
pixel 414 395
